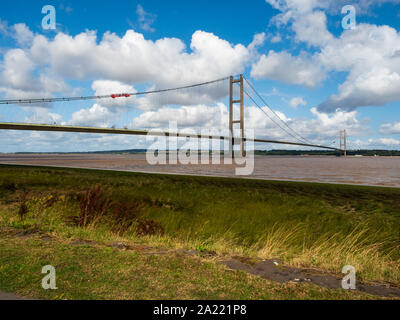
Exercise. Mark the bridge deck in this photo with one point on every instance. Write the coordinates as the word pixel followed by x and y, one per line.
pixel 58 128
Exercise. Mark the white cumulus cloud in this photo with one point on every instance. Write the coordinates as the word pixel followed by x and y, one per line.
pixel 297 101
pixel 390 128
pixel 284 67
pixel 369 54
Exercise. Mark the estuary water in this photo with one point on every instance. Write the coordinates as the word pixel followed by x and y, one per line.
pixel 379 171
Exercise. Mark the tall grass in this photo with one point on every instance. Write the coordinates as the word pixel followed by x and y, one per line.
pixel 371 259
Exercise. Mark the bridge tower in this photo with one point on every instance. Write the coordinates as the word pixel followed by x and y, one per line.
pixel 343 141
pixel 232 121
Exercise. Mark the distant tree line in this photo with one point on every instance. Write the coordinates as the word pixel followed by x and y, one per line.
pixel 369 153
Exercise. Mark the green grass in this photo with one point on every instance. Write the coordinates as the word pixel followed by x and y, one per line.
pixel 313 225
pixel 84 272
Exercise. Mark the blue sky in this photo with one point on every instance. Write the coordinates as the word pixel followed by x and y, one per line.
pixel 317 76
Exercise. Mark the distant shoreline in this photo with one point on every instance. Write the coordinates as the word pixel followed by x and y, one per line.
pixel 357 153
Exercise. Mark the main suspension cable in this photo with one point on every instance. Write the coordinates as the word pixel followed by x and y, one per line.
pixel 251 98
pixel 284 122
pixel 113 96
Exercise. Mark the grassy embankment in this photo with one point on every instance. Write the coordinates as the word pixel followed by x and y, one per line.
pixel 312 225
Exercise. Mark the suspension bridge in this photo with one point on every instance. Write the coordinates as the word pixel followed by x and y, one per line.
pixel 239 88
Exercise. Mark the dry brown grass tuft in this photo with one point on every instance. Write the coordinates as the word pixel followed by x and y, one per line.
pixel 149 228
pixel 23 207
pixel 124 216
pixel 93 206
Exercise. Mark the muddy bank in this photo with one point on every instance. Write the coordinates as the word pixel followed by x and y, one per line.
pixel 274 270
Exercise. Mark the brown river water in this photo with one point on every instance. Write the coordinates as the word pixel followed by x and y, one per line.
pixel 379 171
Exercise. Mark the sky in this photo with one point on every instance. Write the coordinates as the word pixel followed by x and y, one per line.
pixel 319 70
